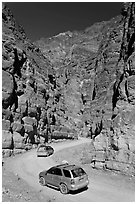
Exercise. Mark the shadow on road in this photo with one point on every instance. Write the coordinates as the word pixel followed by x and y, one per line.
pixel 78 191
pixel 71 192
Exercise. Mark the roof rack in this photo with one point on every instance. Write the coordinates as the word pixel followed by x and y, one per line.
pixel 70 165
pixel 61 165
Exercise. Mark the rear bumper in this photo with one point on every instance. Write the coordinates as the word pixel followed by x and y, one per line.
pixel 41 155
pixel 79 186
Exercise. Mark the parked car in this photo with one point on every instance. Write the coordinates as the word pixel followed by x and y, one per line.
pixel 43 150
pixel 65 177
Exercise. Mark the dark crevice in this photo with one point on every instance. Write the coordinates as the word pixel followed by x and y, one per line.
pixel 57 97
pixel 53 120
pixel 116 92
pixel 12 143
pixel 126 89
pixel 131 45
pixel 98 129
pixel 94 94
pixel 14 101
pixel 52 80
pixel 38 113
pixel 113 116
pixel 115 96
pixel 114 147
pixel 18 63
pixel 4 17
pixel 82 97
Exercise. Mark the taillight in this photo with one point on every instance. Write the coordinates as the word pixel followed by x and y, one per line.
pixel 72 182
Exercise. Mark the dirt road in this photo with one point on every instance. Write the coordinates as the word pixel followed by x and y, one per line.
pixel 101 188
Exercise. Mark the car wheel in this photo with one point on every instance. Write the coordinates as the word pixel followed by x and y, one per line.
pixel 42 181
pixel 63 188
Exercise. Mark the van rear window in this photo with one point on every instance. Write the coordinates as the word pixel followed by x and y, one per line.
pixel 78 172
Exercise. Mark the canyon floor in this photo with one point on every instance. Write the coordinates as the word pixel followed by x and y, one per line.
pixel 20 178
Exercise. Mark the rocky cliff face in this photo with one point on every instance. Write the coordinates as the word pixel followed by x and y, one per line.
pixel 70 85
pixel 24 88
pixel 114 94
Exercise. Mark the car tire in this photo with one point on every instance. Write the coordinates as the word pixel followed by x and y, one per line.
pixel 63 188
pixel 42 181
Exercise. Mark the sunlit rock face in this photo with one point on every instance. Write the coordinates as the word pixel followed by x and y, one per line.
pixel 79 83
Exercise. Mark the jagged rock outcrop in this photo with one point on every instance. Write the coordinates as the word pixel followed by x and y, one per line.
pixel 70 85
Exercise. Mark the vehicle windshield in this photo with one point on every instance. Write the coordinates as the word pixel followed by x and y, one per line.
pixel 41 149
pixel 78 172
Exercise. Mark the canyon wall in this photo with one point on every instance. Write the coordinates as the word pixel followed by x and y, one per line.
pixel 75 84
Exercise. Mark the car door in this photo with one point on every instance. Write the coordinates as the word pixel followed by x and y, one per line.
pixel 49 176
pixel 67 177
pixel 56 177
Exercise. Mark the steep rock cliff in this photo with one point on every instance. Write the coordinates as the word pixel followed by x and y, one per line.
pixel 24 87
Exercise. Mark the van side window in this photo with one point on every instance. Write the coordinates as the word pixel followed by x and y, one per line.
pixel 51 171
pixel 67 173
pixel 58 172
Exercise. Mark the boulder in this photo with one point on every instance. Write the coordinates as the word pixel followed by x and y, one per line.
pixel 18 127
pixel 59 135
pixel 29 121
pixel 7 152
pixel 7 140
pixel 28 147
pixel 32 112
pixel 7 89
pixel 28 128
pixel 7 115
pixel 19 151
pixel 18 141
pixel 6 125
pixel 17 117
pixel 22 99
pixel 20 88
pixel 22 109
